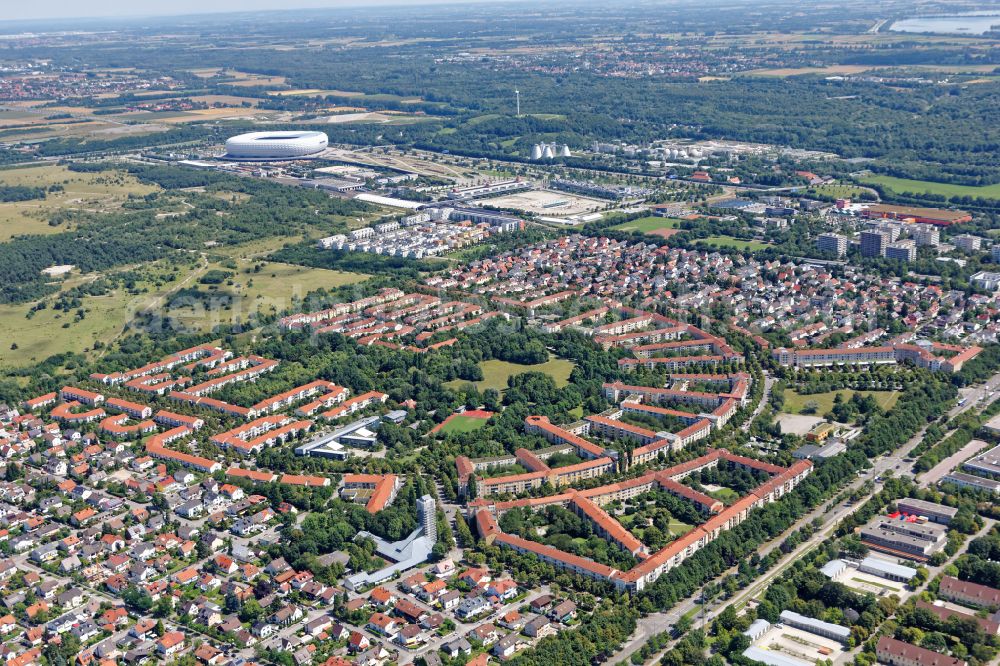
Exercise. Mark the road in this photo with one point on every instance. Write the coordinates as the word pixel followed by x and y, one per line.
pixel 764 398
pixel 879 24
pixel 659 622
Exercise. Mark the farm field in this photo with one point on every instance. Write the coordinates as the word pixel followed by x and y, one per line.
pixel 496 373
pixel 795 403
pixel 83 191
pixel 900 185
pixel 798 71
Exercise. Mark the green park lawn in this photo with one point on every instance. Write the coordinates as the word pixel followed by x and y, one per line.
pixel 729 241
pixel 725 495
pixel 795 403
pixel 649 224
pixel 496 373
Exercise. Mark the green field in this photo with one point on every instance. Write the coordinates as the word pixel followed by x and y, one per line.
pixel 106 316
pixel 901 185
pixel 837 190
pixel 496 373
pixel 268 291
pixel 678 528
pixel 649 224
pixel 725 495
pixel 460 424
pixel 795 403
pixel 729 241
pixel 98 192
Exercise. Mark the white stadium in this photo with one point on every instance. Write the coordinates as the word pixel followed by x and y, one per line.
pixel 276 145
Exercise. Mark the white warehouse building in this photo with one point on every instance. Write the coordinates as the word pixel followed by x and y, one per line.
pixel 276 145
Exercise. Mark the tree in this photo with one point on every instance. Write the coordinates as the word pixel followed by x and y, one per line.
pixel 683 625
pixel 251 611
pixel 163 607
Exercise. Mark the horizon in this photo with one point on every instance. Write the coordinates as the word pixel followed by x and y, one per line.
pixel 56 11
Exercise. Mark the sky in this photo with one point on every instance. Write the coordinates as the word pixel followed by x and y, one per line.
pixel 65 9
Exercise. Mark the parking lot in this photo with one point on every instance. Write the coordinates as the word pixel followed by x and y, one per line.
pixel 547 202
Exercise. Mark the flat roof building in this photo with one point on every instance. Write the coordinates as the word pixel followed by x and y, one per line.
pixel 905 250
pixel 969 481
pixel 834 569
pixel 833 243
pixel 917 541
pixel 877 566
pixel 936 216
pixel 757 628
pixel 988 280
pixel 814 626
pixel 937 513
pixel 985 464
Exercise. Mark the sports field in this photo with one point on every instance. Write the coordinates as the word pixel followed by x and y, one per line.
pixel 795 403
pixel 901 185
pixel 467 422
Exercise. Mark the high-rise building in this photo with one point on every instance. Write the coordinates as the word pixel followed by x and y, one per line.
pixel 995 253
pixel 873 243
pixel 926 235
pixel 427 512
pixel 904 249
pixel 893 230
pixel 967 242
pixel 830 242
